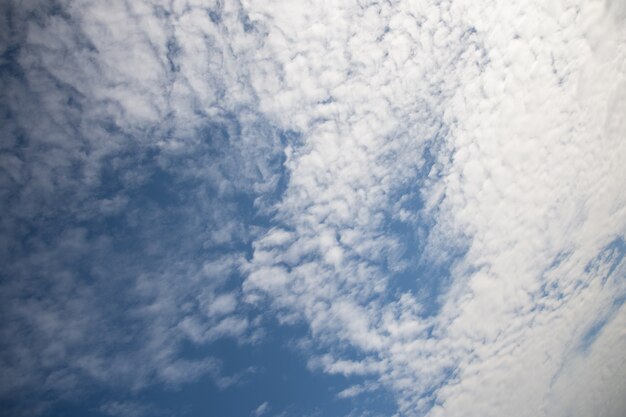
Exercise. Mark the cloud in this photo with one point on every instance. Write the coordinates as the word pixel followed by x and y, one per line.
pixel 335 160
pixel 126 409
pixel 128 178
pixel 591 382
pixel 525 182
pixel 261 409
pixel 356 390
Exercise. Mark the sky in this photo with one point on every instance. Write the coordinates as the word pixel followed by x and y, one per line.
pixel 351 208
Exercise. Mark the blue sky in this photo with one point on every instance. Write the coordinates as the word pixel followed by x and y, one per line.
pixel 360 208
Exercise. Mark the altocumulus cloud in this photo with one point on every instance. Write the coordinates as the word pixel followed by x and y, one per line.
pixel 125 171
pixel 435 190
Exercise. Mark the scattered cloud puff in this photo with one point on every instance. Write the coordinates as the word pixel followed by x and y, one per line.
pixel 171 170
pixel 261 409
pixel 356 390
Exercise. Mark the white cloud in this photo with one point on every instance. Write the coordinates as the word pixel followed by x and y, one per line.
pixel 356 390
pixel 591 382
pixel 529 172
pixel 261 409
pixel 520 105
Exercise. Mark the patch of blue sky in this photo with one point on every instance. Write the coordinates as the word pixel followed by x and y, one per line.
pixel 8 64
pixel 590 336
pixel 271 371
pixel 421 275
pixel 282 378
pixel 550 288
pixel 611 255
pixel 592 333
pixel 161 229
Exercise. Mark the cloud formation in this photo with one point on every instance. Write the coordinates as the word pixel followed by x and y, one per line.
pixel 124 176
pixel 261 409
pixel 526 183
pixel 434 189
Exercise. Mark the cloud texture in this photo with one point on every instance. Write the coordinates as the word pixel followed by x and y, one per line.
pixel 434 189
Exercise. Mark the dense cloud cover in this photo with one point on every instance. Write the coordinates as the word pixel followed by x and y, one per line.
pixel 429 194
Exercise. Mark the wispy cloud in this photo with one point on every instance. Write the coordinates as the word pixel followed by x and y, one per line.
pixel 261 409
pixel 127 409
